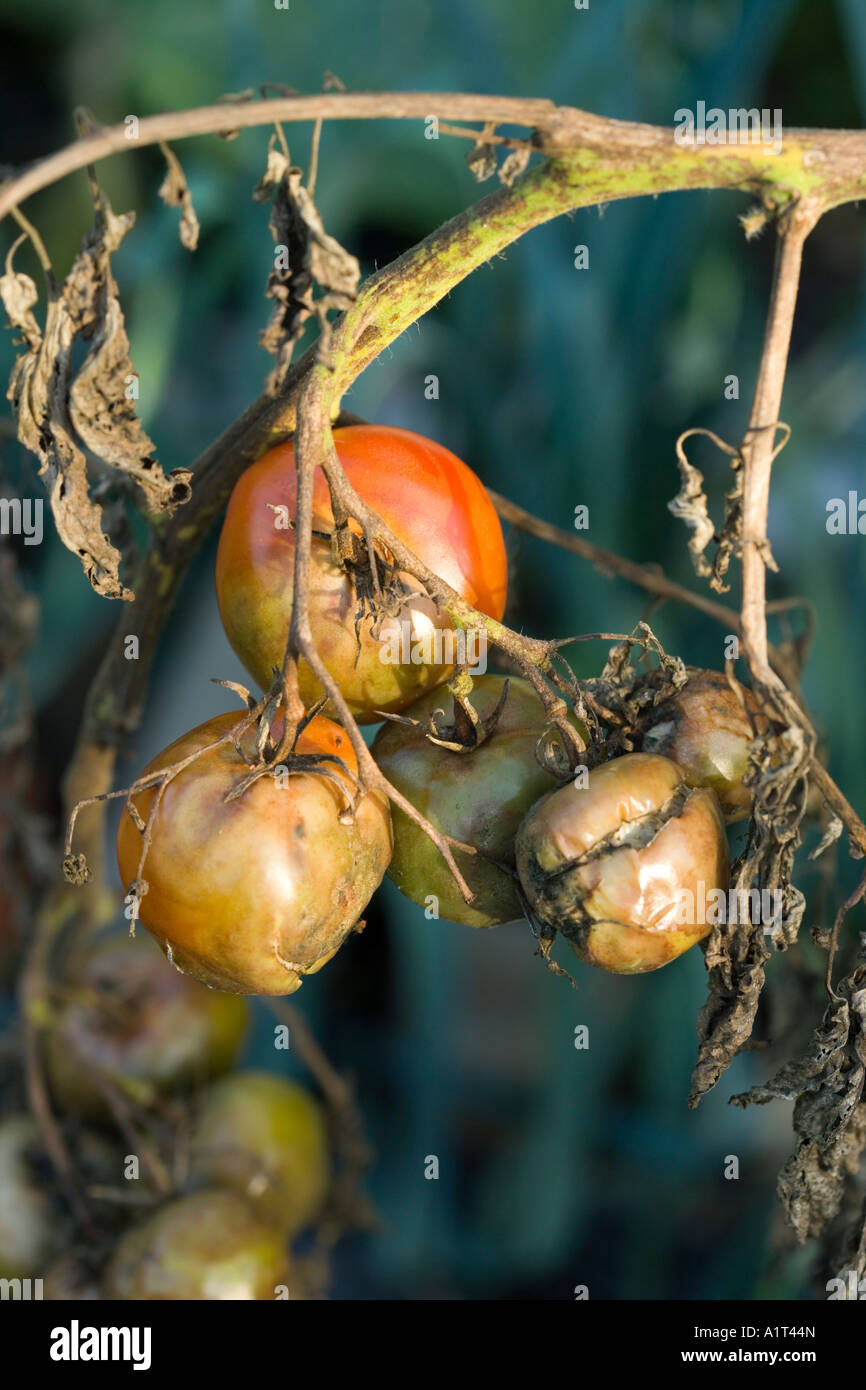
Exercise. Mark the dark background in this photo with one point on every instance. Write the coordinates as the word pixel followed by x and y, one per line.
pixel 558 1167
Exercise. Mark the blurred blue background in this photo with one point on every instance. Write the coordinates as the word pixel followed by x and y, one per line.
pixel 558 1167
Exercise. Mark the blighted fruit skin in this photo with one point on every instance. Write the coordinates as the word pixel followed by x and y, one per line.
pixel 27 1222
pixel 267 1139
pixel 478 797
pixel 250 895
pixel 705 728
pixel 425 495
pixel 133 1022
pixel 208 1247
pixel 617 902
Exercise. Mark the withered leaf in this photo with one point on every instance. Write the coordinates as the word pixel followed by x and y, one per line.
pixel 175 193
pixel 827 1086
pixel 313 259
pixel 55 408
pixel 737 951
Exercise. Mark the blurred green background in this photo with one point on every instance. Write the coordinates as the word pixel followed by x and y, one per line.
pixel 558 1167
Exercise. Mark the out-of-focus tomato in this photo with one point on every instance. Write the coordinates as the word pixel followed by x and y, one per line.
pixel 252 894
pixel 267 1139
pixel 131 1021
pixel 428 497
pixel 211 1246
pixel 27 1220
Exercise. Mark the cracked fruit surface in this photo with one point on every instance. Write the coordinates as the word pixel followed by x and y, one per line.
pixel 624 867
pixel 266 1138
pixel 130 1022
pixel 208 1247
pixel 478 796
pixel 252 894
pixel 429 498
pixel 705 727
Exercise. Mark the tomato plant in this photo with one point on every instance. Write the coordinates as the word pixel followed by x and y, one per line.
pixel 430 499
pixel 250 894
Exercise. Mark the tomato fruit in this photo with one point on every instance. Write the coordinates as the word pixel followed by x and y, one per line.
pixel 27 1220
pixel 478 796
pixel 427 496
pixel 252 894
pixel 612 865
pixel 266 1138
pixel 706 729
pixel 131 1021
pixel 211 1246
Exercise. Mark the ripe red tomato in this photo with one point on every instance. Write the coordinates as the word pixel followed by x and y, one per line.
pixel 612 865
pixel 426 495
pixel 133 1022
pixel 478 797
pixel 250 895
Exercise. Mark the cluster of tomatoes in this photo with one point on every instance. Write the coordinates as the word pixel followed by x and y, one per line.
pixel 252 884
pixel 249 883
pixel 220 1170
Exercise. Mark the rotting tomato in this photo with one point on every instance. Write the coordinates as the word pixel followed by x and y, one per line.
pixel 614 864
pixel 211 1246
pixel 130 1022
pixel 705 727
pixel 251 894
pixel 478 796
pixel 266 1138
pixel 429 498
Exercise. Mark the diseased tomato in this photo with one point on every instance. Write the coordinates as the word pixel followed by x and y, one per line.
pixel 428 497
pixel 210 1247
pixel 129 1020
pixel 252 894
pixel 267 1139
pixel 705 728
pixel 625 867
pixel 478 797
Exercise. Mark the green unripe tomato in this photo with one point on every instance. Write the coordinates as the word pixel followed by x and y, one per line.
pixel 478 797
pixel 265 1138
pixel 211 1246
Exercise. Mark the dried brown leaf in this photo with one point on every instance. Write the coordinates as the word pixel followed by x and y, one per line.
pixel 314 260
pixel 827 1086
pixel 55 408
pixel 175 194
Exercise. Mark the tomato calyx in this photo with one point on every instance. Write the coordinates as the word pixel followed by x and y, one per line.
pixel 469 729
